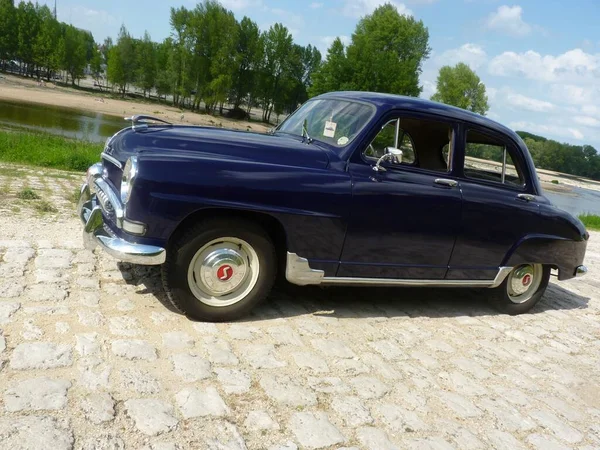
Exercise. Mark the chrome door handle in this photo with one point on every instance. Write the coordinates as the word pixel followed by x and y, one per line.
pixel 526 197
pixel 446 182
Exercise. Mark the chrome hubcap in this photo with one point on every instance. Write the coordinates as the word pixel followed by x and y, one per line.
pixel 523 282
pixel 223 271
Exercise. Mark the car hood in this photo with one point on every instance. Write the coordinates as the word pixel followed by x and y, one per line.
pixel 217 143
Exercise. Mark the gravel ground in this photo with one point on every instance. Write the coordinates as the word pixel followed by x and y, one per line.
pixel 92 357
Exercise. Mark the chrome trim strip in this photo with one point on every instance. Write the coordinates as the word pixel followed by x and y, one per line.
pixel 94 234
pixel 111 159
pixel 299 272
pixel 580 271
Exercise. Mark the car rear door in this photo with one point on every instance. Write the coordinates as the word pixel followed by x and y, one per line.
pixel 404 220
pixel 498 210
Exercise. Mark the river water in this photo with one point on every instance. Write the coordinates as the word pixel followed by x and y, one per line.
pixel 97 127
pixel 72 123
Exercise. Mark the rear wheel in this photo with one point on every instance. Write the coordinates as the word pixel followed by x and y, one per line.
pixel 218 270
pixel 522 289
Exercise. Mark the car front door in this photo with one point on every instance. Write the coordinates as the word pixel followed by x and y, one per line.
pixel 405 217
pixel 498 206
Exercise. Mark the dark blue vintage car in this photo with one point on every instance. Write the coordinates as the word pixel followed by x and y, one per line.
pixel 354 188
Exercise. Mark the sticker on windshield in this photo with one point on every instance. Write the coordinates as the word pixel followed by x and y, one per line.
pixel 343 140
pixel 329 130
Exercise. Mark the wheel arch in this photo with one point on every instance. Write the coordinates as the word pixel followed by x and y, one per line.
pixel 554 251
pixel 272 226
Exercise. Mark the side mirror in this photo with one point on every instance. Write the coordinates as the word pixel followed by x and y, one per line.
pixel 395 155
pixel 392 155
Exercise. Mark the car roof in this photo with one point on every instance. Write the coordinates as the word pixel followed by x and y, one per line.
pixel 392 101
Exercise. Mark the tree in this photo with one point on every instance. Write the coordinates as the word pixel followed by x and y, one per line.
pixel 278 45
pixel 74 52
pixel 146 64
pixel 460 86
pixel 334 74
pixel 27 30
pixel 8 31
pixel 387 52
pixel 249 55
pixel 122 62
pixel 96 66
pixel 45 48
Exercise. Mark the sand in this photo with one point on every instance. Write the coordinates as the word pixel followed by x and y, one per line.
pixel 27 90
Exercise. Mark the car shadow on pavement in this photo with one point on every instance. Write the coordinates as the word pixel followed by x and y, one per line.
pixel 287 300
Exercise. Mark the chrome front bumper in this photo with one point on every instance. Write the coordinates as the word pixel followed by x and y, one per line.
pixel 96 233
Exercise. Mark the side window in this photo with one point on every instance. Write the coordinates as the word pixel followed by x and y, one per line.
pixel 424 143
pixel 489 159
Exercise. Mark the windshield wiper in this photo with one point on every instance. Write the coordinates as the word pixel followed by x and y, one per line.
pixel 305 132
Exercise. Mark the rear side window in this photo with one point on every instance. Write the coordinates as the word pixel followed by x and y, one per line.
pixel 489 159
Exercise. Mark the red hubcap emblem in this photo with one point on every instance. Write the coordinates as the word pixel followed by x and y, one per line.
pixel 527 280
pixel 225 272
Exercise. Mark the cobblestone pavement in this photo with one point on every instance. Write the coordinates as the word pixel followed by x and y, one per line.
pixel 92 358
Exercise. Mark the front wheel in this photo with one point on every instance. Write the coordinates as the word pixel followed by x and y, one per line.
pixel 218 271
pixel 522 289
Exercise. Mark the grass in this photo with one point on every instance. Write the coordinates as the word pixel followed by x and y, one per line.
pixel 46 150
pixel 45 207
pixel 591 221
pixel 554 182
pixel 28 194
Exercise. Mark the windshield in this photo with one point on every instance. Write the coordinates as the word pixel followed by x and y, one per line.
pixel 336 122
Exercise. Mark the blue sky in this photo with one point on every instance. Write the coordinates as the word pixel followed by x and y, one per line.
pixel 540 59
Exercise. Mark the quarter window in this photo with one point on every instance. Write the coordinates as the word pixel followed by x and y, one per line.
pixel 489 159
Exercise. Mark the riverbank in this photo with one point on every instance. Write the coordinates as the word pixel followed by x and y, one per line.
pixel 20 89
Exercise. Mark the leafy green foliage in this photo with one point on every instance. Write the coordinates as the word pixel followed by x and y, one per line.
pixel 8 30
pixel 460 86
pixel 385 55
pixel 582 160
pixel 591 221
pixel 47 150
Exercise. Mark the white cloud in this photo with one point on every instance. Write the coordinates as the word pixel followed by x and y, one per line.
pixel 471 54
pixel 508 20
pixel 238 5
pixel 548 129
pixel 360 8
pixel 587 121
pixel 575 66
pixel 521 101
pixel 315 5
pixel 326 41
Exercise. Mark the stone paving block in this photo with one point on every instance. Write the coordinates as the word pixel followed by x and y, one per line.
pixel 369 387
pixel 399 419
pixel 311 361
pixel 333 348
pixel 41 355
pixel 134 349
pixel 151 416
pixel 98 408
pixel 35 432
pixel 46 293
pixel 262 356
pixel 287 392
pixel 374 439
pixel 177 340
pixel 195 403
pixel 139 381
pixel 351 410
pixel 557 426
pixel 233 381
pixel 190 367
pixel 314 430
pixel 37 394
pixel 260 420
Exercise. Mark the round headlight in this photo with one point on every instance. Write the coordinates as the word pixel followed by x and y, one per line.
pixel 129 173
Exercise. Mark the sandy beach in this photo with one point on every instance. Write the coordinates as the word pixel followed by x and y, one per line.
pixel 27 90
